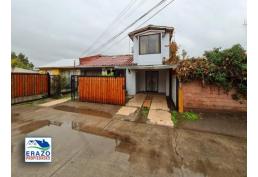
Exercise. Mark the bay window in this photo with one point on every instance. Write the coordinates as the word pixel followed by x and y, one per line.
pixel 149 44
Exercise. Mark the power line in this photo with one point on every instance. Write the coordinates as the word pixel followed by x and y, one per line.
pixel 127 7
pixel 129 13
pixel 122 31
pixel 136 8
pixel 155 13
pixel 142 23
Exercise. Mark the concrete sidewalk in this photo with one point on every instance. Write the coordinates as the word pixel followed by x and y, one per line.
pixel 55 102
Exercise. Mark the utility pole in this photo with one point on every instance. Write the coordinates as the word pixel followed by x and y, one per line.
pixel 245 30
pixel 245 23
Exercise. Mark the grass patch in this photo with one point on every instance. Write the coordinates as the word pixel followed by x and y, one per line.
pixel 174 117
pixel 144 112
pixel 178 118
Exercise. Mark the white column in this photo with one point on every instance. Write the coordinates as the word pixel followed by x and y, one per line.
pixel 130 82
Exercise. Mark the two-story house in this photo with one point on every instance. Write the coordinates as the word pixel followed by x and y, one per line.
pixel 150 51
pixel 145 70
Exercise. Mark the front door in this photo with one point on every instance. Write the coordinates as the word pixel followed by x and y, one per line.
pixel 151 78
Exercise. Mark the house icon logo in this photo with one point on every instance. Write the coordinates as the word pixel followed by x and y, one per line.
pixel 38 149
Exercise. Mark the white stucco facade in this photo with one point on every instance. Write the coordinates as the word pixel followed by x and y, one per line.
pixel 130 82
pixel 151 59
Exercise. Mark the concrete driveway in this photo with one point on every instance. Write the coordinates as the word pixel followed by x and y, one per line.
pixel 88 144
pixel 159 113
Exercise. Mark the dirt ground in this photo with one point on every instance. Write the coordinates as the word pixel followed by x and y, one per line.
pixel 88 140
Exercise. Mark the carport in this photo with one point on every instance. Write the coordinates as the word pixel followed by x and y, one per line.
pixel 152 79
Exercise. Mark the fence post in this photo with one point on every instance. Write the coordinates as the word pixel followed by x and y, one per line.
pixel 181 99
pixel 48 84
pixel 72 87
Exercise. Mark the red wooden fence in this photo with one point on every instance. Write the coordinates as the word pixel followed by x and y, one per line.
pixel 28 84
pixel 102 89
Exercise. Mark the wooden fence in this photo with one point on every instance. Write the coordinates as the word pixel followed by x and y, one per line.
pixel 29 84
pixel 102 89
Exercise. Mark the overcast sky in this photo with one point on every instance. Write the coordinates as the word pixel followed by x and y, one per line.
pixel 49 30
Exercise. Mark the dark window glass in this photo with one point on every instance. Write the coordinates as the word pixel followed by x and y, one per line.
pixel 149 44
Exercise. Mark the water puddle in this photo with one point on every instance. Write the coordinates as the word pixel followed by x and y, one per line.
pixel 128 150
pixel 86 111
pixel 56 123
pixel 33 125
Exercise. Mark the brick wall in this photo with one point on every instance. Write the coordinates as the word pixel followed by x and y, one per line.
pixel 197 96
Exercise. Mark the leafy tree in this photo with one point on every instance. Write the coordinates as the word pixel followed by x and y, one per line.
pixel 20 61
pixel 231 67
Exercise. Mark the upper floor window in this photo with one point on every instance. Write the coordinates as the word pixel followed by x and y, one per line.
pixel 149 44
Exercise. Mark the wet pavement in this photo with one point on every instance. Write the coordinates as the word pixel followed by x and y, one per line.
pixel 92 145
pixel 225 123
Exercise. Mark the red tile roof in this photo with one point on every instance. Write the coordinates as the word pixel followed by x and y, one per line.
pixel 102 60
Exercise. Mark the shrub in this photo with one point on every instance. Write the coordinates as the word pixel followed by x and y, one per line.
pixel 224 68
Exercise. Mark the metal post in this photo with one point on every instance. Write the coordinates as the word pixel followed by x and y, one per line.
pixel 72 87
pixel 48 85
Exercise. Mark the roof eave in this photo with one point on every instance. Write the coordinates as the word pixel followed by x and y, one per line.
pixel 139 67
pixel 167 29
pixel 57 67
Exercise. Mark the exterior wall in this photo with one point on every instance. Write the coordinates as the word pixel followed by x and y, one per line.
pixel 50 71
pixel 102 72
pixel 54 72
pixel 162 81
pixel 209 97
pixel 167 83
pixel 151 59
pixel 60 71
pixel 140 80
pixel 173 90
pixel 130 82
pixel 91 72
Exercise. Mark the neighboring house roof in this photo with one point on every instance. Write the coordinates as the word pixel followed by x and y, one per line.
pixel 151 27
pixel 63 63
pixel 104 60
pixel 21 70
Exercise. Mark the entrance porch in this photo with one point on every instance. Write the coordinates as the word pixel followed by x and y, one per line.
pixel 156 81
pixel 152 79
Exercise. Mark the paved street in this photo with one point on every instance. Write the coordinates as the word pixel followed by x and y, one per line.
pixel 96 143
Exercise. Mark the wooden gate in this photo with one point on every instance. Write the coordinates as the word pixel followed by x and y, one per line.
pixel 102 89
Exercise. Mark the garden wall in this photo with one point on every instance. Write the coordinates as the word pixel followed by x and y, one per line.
pixel 209 97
